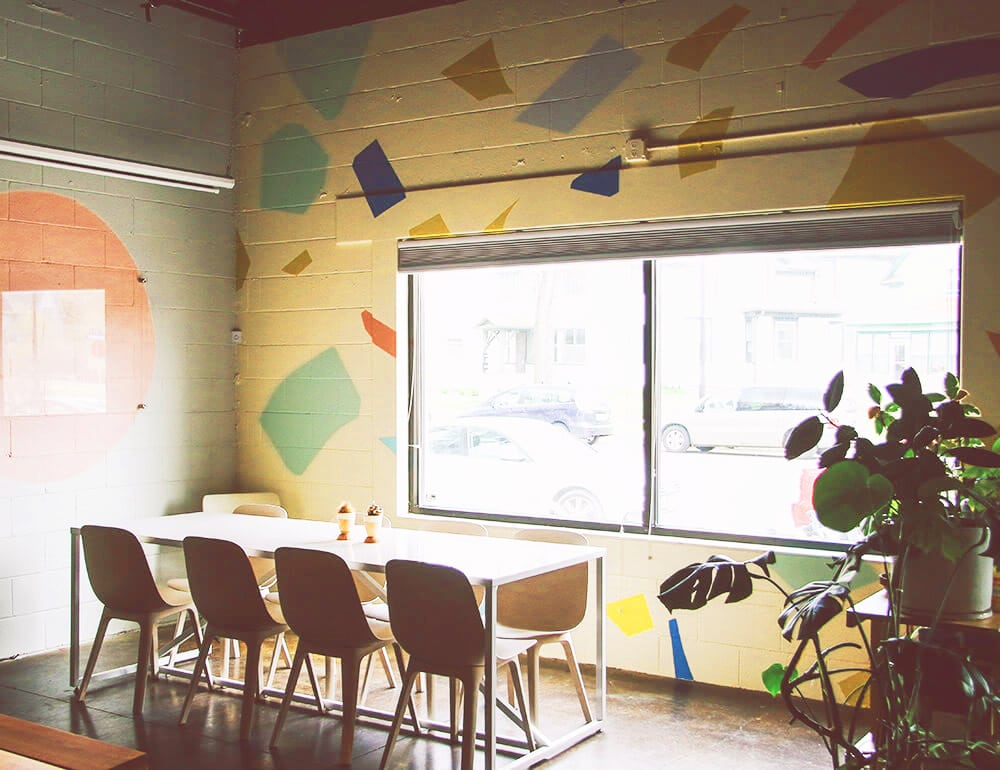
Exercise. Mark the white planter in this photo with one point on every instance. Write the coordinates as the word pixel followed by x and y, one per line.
pixel 965 586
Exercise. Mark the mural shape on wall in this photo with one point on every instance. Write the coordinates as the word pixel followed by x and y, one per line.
pixel 700 139
pixel 604 181
pixel 309 406
pixel 693 51
pixel 242 262
pixel 858 18
pixel 297 265
pixel 382 335
pixel 884 169
pixel 378 179
pixel 631 615
pixel 325 85
pixel 429 228
pixel 681 668
pixel 994 340
pixel 293 169
pixel 389 441
pixel 597 77
pixel 916 71
pixel 478 73
pixel 499 224
pixel 77 337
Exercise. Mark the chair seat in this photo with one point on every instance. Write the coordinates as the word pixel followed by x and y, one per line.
pixel 506 632
pixel 179 584
pixel 173 597
pixel 377 611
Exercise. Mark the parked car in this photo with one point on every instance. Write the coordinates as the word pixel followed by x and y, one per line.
pixel 559 405
pixel 513 465
pixel 755 417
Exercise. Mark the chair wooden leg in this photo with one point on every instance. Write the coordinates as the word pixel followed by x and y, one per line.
pixel 279 645
pixel 365 679
pixel 251 687
pixel 390 676
pixel 514 677
pixel 95 651
pixel 453 715
pixel 350 673
pixel 154 657
pixel 142 664
pixel 402 668
pixel 200 640
pixel 178 630
pixel 574 668
pixel 397 721
pixel 534 662
pixel 470 694
pixel 331 678
pixel 293 678
pixel 199 666
pixel 314 683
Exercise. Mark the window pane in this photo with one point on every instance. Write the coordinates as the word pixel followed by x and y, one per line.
pixel 746 345
pixel 531 391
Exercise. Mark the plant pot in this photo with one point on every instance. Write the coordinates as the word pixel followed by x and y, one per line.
pixel 961 589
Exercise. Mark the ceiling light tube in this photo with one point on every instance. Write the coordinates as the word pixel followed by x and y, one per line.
pixel 40 155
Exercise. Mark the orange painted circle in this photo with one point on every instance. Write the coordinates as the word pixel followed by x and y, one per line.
pixel 52 243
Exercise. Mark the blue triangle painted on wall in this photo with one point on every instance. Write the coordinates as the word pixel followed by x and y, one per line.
pixel 604 181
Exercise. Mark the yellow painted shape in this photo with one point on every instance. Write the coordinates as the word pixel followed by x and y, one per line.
pixel 478 73
pixel 500 223
pixel 850 688
pixel 631 615
pixel 297 265
pixel 693 51
pixel 434 227
pixel 900 160
pixel 702 139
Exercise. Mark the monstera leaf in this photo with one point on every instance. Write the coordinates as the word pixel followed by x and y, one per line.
pixel 695 585
pixel 812 607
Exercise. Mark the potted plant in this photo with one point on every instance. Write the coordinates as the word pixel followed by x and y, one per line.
pixel 925 484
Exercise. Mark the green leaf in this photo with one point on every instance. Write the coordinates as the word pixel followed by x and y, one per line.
pixel 834 392
pixel 846 493
pixel 875 393
pixel 978 456
pixel 951 385
pixel 772 676
pixel 804 437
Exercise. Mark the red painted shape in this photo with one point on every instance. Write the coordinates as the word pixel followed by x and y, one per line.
pixel 995 339
pixel 382 335
pixel 53 243
pixel 862 15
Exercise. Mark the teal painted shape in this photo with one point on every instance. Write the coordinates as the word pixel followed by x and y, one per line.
pixel 324 83
pixel 308 408
pixel 389 441
pixel 293 167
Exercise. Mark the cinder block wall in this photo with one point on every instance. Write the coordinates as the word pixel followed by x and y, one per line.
pixel 570 82
pixel 102 80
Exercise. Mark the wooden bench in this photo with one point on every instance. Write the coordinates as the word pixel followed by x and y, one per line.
pixel 26 745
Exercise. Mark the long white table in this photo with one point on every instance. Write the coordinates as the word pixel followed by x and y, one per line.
pixel 487 561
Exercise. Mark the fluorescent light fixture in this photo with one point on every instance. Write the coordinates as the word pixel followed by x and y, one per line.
pixel 40 155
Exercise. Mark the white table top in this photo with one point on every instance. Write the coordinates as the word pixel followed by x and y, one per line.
pixel 485 560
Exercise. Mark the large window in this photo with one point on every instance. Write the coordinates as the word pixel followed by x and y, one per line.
pixel 654 391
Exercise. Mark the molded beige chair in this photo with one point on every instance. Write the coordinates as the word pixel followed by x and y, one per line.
pixel 436 620
pixel 545 609
pixel 335 627
pixel 246 504
pixel 226 594
pixel 120 576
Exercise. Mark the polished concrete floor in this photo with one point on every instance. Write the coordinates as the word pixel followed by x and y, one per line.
pixel 651 723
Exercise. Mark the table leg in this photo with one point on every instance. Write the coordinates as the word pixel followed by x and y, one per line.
pixel 601 633
pixel 490 715
pixel 74 606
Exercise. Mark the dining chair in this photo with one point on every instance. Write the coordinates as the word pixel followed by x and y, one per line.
pixel 436 620
pixel 322 607
pixel 122 580
pixel 545 609
pixel 225 592
pixel 246 504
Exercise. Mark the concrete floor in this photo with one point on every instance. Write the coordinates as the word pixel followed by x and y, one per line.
pixel 651 723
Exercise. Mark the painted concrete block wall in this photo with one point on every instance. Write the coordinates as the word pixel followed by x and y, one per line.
pixel 102 80
pixel 486 112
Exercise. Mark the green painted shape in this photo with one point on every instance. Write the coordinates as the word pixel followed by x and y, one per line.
pixel 293 167
pixel 308 408
pixel 794 571
pixel 324 83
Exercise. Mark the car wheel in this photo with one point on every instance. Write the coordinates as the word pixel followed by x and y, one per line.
pixel 577 504
pixel 675 438
pixel 562 425
pixel 704 448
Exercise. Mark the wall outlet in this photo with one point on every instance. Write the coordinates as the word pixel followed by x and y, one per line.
pixel 237 336
pixel 635 149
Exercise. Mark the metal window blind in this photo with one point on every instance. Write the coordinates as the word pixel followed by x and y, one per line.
pixel 898 225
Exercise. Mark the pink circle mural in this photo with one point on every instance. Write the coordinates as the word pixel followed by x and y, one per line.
pixel 76 337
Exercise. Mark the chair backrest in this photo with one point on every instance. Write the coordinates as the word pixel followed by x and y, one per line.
pixel 223 584
pixel 434 613
pixel 261 509
pixel 227 503
pixel 118 570
pixel 459 527
pixel 319 600
pixel 553 601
